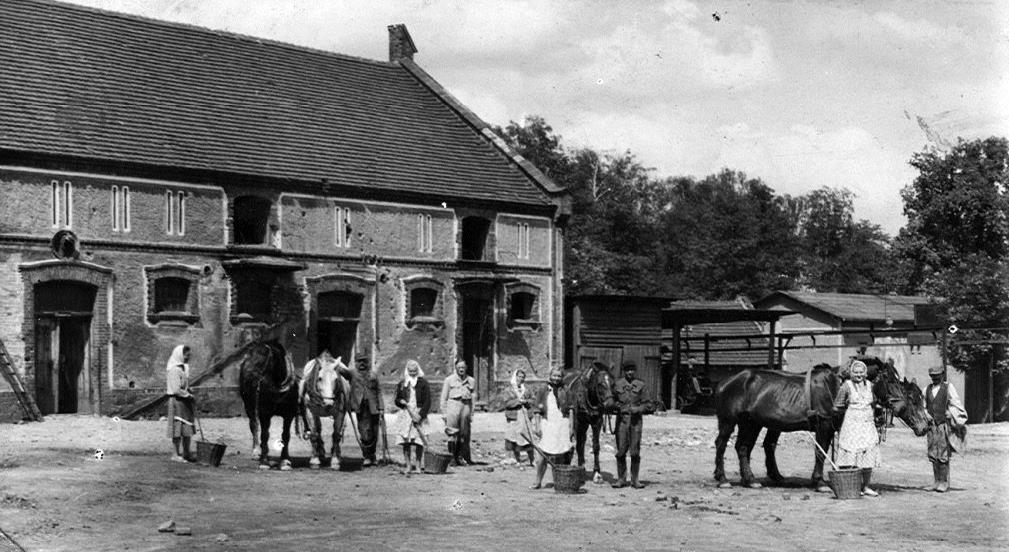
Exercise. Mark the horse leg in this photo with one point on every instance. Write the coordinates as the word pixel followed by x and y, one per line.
pixel 597 476
pixel 824 436
pixel 250 412
pixel 315 436
pixel 581 433
pixel 748 433
pixel 771 443
pixel 264 442
pixel 338 422
pixel 725 429
pixel 285 439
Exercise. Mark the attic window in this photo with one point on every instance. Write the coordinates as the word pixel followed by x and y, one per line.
pixel 475 231
pixel 251 216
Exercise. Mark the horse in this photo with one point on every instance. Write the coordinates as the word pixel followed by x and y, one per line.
pixel 591 394
pixel 784 402
pixel 269 387
pixel 324 393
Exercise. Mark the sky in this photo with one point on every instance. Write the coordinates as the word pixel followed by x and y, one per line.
pixel 800 94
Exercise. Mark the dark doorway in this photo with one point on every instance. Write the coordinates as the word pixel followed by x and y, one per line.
pixel 63 313
pixel 251 215
pixel 475 231
pixel 477 339
pixel 338 316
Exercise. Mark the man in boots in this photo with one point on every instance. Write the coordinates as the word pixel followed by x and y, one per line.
pixel 629 393
pixel 947 425
pixel 366 404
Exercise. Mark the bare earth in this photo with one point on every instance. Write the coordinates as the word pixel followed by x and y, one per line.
pixel 55 495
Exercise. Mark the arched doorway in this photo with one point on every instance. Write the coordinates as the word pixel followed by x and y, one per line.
pixel 63 313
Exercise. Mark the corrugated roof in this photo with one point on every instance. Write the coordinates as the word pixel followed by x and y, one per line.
pixel 100 85
pixel 855 306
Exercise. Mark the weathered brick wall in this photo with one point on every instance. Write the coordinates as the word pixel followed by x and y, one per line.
pixel 539 241
pixel 11 315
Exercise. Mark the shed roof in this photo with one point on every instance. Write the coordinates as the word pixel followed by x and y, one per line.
pixel 97 85
pixel 853 307
pixel 726 327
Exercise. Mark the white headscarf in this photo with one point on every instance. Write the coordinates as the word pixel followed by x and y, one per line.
pixel 178 358
pixel 411 381
pixel 520 390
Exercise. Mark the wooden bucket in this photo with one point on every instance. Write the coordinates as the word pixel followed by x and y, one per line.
pixel 210 453
pixel 436 462
pixel 568 479
pixel 846 482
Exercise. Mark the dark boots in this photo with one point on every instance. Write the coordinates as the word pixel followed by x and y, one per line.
pixel 635 467
pixel 621 473
pixel 866 478
pixel 942 476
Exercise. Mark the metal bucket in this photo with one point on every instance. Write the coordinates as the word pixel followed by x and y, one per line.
pixel 210 453
pixel 436 462
pixel 846 482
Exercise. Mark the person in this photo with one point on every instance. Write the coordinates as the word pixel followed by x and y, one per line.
pixel 457 394
pixel 181 403
pixel 366 403
pixel 552 422
pixel 632 402
pixel 517 401
pixel 947 426
pixel 413 397
pixel 858 441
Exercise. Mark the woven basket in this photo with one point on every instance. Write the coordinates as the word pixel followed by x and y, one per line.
pixel 568 479
pixel 351 463
pixel 847 482
pixel 210 453
pixel 436 462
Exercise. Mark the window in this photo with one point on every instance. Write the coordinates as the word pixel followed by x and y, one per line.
pixel 253 298
pixel 423 302
pixel 120 209
pixel 425 235
pixel 173 293
pixel 251 216
pixel 523 306
pixel 523 240
pixel 475 231
pixel 175 213
pixel 341 227
pixel 61 202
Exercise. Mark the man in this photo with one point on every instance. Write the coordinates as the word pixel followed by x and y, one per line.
pixel 632 402
pixel 457 394
pixel 366 402
pixel 947 425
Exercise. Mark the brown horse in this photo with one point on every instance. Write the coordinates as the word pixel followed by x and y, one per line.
pixel 783 402
pixel 591 394
pixel 269 387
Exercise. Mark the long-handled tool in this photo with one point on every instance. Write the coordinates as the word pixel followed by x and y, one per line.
pixel 825 455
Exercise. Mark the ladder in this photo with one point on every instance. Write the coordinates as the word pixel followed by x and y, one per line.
pixel 31 409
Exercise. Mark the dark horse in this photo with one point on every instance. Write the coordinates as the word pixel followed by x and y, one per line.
pixel 781 402
pixel 269 387
pixel 591 394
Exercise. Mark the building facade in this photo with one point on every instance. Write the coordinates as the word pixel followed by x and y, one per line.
pixel 164 184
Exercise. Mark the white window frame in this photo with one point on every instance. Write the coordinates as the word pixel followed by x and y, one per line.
pixel 175 213
pixel 115 208
pixel 425 233
pixel 61 200
pixel 126 207
pixel 180 223
pixel 120 209
pixel 341 220
pixel 169 213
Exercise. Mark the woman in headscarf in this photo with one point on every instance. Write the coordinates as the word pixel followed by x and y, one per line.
pixel 181 403
pixel 517 401
pixel 413 397
pixel 858 441
pixel 553 424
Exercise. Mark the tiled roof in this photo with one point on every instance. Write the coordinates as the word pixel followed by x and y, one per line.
pixel 99 85
pixel 854 306
pixel 757 356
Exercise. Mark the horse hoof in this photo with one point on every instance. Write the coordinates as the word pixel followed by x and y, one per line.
pixel 285 465
pixel 725 485
pixel 264 466
pixel 597 478
pixel 754 485
pixel 824 489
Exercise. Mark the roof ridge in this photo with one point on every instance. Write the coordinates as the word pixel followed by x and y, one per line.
pixel 210 31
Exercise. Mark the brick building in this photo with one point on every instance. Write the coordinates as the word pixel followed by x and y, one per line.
pixel 219 186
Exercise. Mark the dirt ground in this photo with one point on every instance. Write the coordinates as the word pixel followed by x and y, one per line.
pixel 56 495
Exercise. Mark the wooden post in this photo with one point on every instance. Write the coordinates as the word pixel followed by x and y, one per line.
pixel 676 367
pixel 770 346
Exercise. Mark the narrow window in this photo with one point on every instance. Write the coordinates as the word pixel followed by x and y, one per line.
pixel 424 233
pixel 430 234
pixel 62 204
pixel 420 232
pixel 180 224
pixel 341 227
pixel 115 208
pixel 125 208
pixel 68 204
pixel 347 233
pixel 55 203
pixel 169 213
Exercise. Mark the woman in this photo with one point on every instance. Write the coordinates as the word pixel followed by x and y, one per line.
pixel 517 401
pixel 552 424
pixel 858 442
pixel 457 394
pixel 181 403
pixel 413 398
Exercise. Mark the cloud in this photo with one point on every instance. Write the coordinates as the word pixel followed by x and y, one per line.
pixel 919 29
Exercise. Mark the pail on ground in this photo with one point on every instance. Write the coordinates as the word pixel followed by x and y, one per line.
pixel 846 482
pixel 351 463
pixel 210 453
pixel 436 462
pixel 568 479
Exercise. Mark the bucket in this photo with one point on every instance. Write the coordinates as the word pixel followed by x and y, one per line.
pixel 847 482
pixel 210 453
pixel 351 463
pixel 568 479
pixel 436 462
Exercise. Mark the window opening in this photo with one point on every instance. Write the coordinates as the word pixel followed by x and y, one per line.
pixel 422 302
pixel 251 216
pixel 171 295
pixel 474 238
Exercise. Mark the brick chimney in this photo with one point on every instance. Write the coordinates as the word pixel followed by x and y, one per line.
pixel 400 44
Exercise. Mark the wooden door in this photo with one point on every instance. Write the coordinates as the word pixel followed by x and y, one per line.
pixel 47 351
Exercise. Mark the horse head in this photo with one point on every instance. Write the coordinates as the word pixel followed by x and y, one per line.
pixel 324 379
pixel 903 397
pixel 600 387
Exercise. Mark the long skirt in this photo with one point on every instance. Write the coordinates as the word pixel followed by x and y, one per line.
pixel 858 442
pixel 406 431
pixel 517 433
pixel 181 418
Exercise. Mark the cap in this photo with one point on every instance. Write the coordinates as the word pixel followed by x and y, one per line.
pixel 629 365
pixel 936 370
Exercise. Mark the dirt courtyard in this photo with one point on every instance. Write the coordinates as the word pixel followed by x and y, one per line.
pixel 56 495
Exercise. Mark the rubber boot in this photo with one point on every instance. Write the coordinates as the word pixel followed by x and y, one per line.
pixel 465 452
pixel 943 484
pixel 453 449
pixel 866 478
pixel 936 476
pixel 621 481
pixel 635 467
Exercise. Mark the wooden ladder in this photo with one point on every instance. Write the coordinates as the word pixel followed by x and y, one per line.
pixel 31 409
